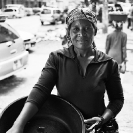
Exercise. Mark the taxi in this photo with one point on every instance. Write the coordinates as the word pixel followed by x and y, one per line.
pixel 13 55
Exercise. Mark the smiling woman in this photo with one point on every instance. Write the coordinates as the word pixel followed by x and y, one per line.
pixel 82 34
pixel 82 74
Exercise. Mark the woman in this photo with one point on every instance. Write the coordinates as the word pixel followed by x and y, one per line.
pixel 81 74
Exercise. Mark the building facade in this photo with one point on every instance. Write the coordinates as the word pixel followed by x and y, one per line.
pixel 38 3
pixel 26 3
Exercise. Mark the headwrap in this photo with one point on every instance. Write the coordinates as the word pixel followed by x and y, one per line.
pixel 82 13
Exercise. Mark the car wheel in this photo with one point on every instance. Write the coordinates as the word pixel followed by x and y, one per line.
pixel 53 23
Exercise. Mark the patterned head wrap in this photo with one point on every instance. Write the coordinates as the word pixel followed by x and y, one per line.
pixel 82 13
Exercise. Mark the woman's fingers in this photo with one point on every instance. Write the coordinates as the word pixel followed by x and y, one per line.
pixel 91 120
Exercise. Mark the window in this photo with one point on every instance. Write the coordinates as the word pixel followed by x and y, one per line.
pixel 46 11
pixel 8 10
pixel 6 35
pixel 57 11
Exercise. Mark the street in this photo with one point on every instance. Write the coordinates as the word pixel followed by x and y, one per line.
pixel 21 84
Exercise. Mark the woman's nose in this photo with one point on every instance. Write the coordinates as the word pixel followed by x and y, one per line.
pixel 81 33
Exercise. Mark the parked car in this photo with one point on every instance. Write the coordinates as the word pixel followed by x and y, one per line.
pixel 19 7
pixel 120 6
pixel 3 18
pixel 125 6
pixel 51 15
pixel 12 13
pixel 29 11
pixel 28 38
pixel 13 56
pixel 37 10
pixel 15 5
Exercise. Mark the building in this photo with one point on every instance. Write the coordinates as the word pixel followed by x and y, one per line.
pixel 26 3
pixel 39 3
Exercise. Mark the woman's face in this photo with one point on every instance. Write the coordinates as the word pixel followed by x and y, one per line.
pixel 82 34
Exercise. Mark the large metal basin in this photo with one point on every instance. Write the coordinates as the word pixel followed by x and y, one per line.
pixel 56 116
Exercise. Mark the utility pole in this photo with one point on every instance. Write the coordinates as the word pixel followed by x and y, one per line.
pixel 105 16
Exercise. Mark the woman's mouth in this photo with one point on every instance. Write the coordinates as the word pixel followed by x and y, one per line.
pixel 81 41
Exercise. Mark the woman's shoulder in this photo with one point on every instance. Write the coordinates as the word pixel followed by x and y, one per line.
pixel 64 52
pixel 101 56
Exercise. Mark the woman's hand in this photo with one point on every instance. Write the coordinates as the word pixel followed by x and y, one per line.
pixel 92 123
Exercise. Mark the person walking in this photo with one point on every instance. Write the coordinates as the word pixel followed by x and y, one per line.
pixel 116 43
pixel 82 74
pixel 130 18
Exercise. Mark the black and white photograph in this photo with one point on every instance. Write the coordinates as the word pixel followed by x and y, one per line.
pixel 66 66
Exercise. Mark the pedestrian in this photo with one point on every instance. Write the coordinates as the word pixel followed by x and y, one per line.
pixel 130 18
pixel 81 74
pixel 116 45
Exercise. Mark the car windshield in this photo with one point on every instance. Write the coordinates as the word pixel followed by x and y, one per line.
pixel 6 35
pixel 8 10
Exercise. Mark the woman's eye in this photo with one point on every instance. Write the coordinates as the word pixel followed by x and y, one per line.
pixel 75 29
pixel 87 28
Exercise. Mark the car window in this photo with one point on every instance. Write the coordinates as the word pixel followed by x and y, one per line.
pixel 6 35
pixel 57 11
pixel 8 10
pixel 46 11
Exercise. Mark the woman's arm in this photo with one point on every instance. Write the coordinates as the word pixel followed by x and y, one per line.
pixel 28 111
pixel 114 89
pixel 37 97
pixel 115 94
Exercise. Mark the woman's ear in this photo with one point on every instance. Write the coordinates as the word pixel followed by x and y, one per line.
pixel 68 34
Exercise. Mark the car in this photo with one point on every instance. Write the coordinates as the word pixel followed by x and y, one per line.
pixel 37 10
pixel 13 55
pixel 51 15
pixel 29 11
pixel 120 6
pixel 19 7
pixel 3 18
pixel 29 39
pixel 125 6
pixel 12 13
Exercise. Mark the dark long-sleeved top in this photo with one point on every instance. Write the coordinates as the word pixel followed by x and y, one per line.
pixel 84 92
